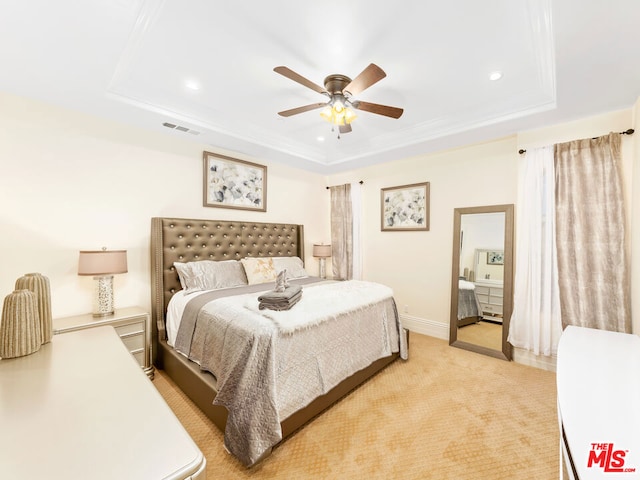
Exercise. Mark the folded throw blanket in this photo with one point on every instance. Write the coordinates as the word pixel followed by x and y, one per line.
pixel 273 296
pixel 281 305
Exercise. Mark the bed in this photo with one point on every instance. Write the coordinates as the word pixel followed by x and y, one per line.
pixel 190 240
pixel 469 310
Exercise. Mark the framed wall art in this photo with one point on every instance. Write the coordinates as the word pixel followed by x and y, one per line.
pixel 233 183
pixel 495 257
pixel 405 208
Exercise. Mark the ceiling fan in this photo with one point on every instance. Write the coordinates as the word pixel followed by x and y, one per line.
pixel 341 91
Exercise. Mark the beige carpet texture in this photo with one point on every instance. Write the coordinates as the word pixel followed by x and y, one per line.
pixel 446 413
pixel 485 334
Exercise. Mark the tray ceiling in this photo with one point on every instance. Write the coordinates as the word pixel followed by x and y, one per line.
pixel 207 68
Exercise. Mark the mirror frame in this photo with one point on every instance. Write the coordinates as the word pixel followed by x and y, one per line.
pixel 507 301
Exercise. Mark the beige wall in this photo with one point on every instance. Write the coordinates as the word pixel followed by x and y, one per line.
pixel 417 265
pixel 71 182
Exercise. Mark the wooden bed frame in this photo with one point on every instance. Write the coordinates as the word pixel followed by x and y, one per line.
pixel 187 240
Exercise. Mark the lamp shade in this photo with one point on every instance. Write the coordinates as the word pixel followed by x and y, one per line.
pixel 102 262
pixel 322 251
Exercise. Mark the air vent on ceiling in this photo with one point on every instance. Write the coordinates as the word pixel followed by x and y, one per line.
pixel 182 129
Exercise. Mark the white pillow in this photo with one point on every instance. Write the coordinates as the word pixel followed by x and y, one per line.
pixel 259 270
pixel 210 275
pixel 293 266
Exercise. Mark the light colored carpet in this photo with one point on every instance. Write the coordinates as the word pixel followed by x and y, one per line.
pixel 446 413
pixel 486 334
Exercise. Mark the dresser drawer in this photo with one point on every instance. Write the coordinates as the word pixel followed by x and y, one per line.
pixel 480 290
pixel 492 309
pixel 496 293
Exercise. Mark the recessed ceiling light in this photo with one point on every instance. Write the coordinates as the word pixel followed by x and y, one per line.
pixel 320 138
pixel 192 85
pixel 495 76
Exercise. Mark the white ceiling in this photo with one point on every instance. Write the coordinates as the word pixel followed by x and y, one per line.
pixel 130 61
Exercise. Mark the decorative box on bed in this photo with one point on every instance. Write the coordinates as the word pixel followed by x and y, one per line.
pixel 185 240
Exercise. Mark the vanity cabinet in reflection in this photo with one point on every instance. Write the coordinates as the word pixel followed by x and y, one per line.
pixel 490 297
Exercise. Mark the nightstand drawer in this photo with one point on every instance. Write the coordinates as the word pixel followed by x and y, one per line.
pixel 133 342
pixel 139 356
pixel 131 329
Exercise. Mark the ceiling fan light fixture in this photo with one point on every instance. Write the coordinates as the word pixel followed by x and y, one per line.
pixel 337 113
pixel 326 113
pixel 349 115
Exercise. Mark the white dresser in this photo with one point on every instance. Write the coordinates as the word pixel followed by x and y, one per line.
pixel 598 377
pixel 490 296
pixel 81 407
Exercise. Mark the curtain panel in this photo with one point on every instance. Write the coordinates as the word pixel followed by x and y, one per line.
pixel 535 322
pixel 341 232
pixel 590 237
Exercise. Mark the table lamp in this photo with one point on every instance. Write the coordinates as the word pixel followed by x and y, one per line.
pixel 102 265
pixel 322 252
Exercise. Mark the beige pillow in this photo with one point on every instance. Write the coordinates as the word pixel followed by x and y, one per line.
pixel 259 270
pixel 293 266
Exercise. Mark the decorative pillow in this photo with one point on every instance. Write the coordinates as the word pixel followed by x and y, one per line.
pixel 293 266
pixel 229 273
pixel 210 275
pixel 259 270
pixel 192 276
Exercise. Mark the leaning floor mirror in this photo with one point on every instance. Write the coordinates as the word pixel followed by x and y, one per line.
pixel 482 279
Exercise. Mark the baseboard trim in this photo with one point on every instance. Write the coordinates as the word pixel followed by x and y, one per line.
pixel 425 327
pixel 525 357
pixel 441 330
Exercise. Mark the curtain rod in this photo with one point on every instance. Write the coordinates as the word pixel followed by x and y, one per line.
pixel 361 182
pixel 626 132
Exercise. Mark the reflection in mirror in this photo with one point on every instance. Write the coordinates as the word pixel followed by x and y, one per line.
pixel 482 272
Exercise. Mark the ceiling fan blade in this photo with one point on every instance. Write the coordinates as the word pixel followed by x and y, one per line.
pixel 370 75
pixel 306 108
pixel 345 128
pixel 387 111
pixel 290 74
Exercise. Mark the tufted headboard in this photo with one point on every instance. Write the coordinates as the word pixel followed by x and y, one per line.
pixel 188 240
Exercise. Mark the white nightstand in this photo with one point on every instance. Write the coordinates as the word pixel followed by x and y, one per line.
pixel 132 324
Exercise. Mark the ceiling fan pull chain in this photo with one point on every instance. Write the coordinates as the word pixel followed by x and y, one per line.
pixel 333 130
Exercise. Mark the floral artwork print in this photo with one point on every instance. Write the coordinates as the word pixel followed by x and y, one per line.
pixel 234 184
pixel 495 258
pixel 406 208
